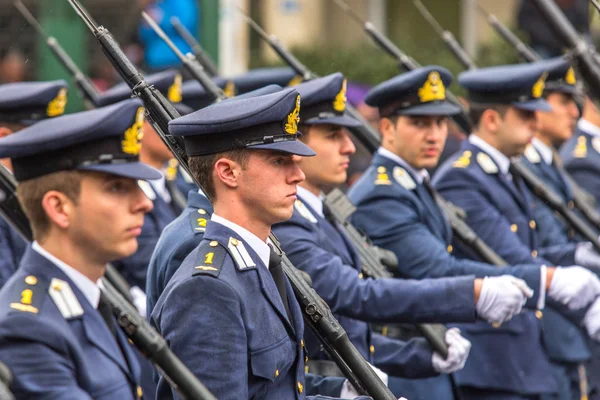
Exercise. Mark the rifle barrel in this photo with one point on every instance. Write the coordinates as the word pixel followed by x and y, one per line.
pixel 30 18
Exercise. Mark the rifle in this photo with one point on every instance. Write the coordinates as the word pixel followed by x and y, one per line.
pixel 316 313
pixel 525 52
pixel 204 59
pixel 447 36
pixel 5 382
pixel 86 88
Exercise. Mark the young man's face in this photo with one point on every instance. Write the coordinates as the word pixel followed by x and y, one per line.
pixel 418 140
pixel 109 216
pixel 153 145
pixel 558 124
pixel 268 185
pixel 334 148
pixel 515 131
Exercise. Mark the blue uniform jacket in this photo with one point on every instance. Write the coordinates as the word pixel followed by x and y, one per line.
pixel 581 157
pixel 228 324
pixel 334 266
pixel 134 268
pixel 502 216
pixel 12 247
pixel 53 357
pixel 406 220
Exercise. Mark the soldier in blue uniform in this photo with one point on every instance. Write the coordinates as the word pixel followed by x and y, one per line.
pixel 317 246
pixel 77 184
pixel 504 100
pixel 23 104
pixel 397 210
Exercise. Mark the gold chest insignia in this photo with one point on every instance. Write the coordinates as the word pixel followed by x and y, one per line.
pixel 174 93
pixel 339 103
pixel 293 118
pixel 580 150
pixel 57 105
pixel 432 89
pixel 132 142
pixel 538 87
pixel 404 178
pixel 486 163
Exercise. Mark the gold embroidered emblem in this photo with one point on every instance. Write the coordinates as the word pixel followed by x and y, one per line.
pixel 538 87
pixel 339 103
pixel 174 93
pixel 580 150
pixel 171 172
pixel 229 89
pixel 570 77
pixel 57 105
pixel 432 89
pixel 205 268
pixel 463 161
pixel 293 118
pixel 382 177
pixel 295 80
pixel 132 144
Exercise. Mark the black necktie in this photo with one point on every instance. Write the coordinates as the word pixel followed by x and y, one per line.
pixel 106 311
pixel 276 271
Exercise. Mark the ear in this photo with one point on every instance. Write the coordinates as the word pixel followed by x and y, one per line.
pixel 387 129
pixel 227 172
pixel 58 207
pixel 491 120
pixel 4 132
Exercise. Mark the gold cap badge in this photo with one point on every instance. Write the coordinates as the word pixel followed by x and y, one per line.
pixel 538 87
pixel 134 134
pixel 229 89
pixel 339 103
pixel 57 105
pixel 432 89
pixel 174 93
pixel 570 76
pixel 295 80
pixel 293 118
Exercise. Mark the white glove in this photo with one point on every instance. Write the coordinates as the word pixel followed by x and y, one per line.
pixel 591 321
pixel 586 255
pixel 458 351
pixel 139 300
pixel 501 298
pixel 575 286
pixel 349 392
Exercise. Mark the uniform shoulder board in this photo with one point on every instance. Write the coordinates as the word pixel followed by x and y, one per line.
pixel 486 163
pixel 382 176
pixel 199 219
pixel 64 298
pixel 596 144
pixel 532 155
pixel 211 256
pixel 463 161
pixel 238 251
pixel 29 295
pixel 580 150
pixel 147 189
pixel 404 179
pixel 304 211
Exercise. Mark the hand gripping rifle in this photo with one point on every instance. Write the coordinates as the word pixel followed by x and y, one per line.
pixel 86 88
pixel 315 311
pixel 204 59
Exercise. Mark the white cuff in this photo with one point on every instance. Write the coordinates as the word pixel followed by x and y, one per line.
pixel 541 303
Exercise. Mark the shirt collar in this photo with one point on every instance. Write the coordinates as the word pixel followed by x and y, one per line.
pixel 588 127
pixel 261 248
pixel 543 149
pixel 315 202
pixel 500 159
pixel 90 289
pixel 420 175
pixel 160 187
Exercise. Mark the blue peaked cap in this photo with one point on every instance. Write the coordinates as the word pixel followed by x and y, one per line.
pixel 195 96
pixel 561 76
pixel 520 85
pixel 324 101
pixel 260 77
pixel 28 102
pixel 418 92
pixel 261 122
pixel 105 139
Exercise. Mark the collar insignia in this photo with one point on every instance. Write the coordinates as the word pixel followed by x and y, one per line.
pixel 570 77
pixel 132 144
pixel 404 179
pixel 432 89
pixel 538 87
pixel 64 298
pixel 174 95
pixel 57 105
pixel 339 103
pixel 486 163
pixel 304 211
pixel 532 155
pixel 580 150
pixel 240 254
pixel 293 118
pixel 147 189
pixel 463 161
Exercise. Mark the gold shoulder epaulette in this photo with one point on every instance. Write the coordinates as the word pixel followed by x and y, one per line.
pixel 463 161
pixel 199 219
pixel 29 295
pixel 210 259
pixel 580 150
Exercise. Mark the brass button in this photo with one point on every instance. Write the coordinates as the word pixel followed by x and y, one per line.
pixel 130 341
pixel 57 286
pixel 514 228
pixel 496 324
pixel 381 170
pixel 372 349
pixel 360 276
pixel 449 248
pixel 276 373
pixel 234 241
pixel 214 243
pixel 532 224
pixel 139 392
pixel 534 253
pixel 302 342
pixel 300 388
pixel 31 280
pixel 539 314
pixel 571 204
pixel 305 359
pixel 201 211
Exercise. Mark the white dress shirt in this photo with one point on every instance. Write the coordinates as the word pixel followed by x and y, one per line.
pixel 588 127
pixel 544 150
pixel 420 175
